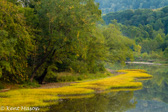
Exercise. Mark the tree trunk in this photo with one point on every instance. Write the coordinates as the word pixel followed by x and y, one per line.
pixel 41 78
pixel 39 65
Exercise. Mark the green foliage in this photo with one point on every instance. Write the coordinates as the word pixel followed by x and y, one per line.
pixel 166 53
pixel 156 55
pixel 133 32
pixel 159 39
pixel 150 19
pixel 29 84
pixel 116 5
pixel 153 55
pixel 16 42
pixel 119 46
pixel 69 32
pixel 6 50
pixel 149 45
pixel 147 27
pixel 145 55
pixel 44 37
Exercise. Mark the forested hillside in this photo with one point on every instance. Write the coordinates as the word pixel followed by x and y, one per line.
pixel 147 27
pixel 156 18
pixel 116 5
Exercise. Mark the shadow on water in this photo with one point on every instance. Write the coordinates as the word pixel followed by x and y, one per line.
pixel 111 102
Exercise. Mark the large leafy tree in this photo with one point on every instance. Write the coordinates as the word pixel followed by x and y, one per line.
pixel 68 27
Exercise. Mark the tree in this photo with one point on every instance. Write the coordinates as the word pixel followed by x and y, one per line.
pixel 67 29
pixel 119 46
pixel 159 39
pixel 158 25
pixel 6 50
pixel 16 43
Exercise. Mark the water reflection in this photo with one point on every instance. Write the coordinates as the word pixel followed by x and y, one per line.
pixel 150 106
pixel 154 95
pixel 152 98
pixel 111 102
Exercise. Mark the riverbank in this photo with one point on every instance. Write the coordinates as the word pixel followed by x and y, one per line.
pixel 62 84
pixel 62 79
pixel 143 63
pixel 45 97
pixel 47 85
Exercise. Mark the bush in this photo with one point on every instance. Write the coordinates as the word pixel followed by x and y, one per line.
pixel 79 67
pixel 156 55
pixel 145 55
pixel 30 84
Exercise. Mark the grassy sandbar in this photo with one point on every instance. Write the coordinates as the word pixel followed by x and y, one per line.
pixel 45 97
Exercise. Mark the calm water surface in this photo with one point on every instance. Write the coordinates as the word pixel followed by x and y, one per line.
pixel 152 98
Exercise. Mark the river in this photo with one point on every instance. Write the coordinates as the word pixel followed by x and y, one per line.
pixel 153 97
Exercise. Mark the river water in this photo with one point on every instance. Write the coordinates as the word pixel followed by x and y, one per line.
pixel 153 97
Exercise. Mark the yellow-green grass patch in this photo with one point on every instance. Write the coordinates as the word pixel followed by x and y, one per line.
pixel 45 97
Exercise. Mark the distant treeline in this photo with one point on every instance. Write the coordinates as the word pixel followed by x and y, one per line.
pixel 158 18
pixel 117 5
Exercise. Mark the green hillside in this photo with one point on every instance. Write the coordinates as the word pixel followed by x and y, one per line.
pixel 156 18
pixel 116 5
pixel 149 28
